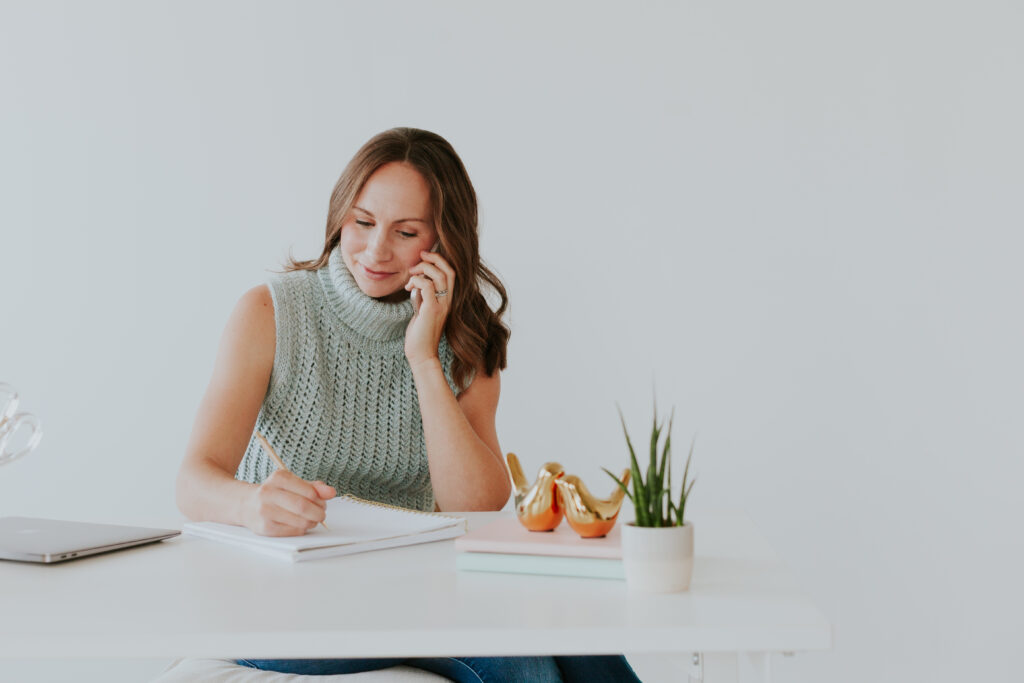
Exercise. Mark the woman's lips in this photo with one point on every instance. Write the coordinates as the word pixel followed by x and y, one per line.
pixel 375 275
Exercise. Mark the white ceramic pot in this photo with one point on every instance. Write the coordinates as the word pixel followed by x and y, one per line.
pixel 657 559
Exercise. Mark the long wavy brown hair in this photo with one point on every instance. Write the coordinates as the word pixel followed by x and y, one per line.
pixel 476 333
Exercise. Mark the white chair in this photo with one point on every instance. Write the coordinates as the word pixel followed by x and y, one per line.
pixel 226 671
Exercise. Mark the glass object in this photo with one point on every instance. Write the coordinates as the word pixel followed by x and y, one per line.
pixel 15 427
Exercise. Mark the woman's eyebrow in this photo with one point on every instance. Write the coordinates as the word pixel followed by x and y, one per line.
pixel 400 220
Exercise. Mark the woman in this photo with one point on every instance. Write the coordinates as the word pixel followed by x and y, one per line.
pixel 360 389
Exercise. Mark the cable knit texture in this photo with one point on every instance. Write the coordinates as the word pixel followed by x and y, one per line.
pixel 342 405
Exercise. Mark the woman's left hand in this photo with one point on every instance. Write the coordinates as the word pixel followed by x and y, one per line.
pixel 435 280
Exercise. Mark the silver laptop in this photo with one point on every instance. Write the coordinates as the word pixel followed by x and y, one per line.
pixel 27 539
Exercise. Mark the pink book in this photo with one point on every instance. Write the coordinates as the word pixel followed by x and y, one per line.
pixel 507 535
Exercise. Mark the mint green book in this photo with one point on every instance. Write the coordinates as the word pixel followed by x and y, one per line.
pixel 550 565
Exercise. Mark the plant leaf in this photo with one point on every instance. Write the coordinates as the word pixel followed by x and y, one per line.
pixel 668 481
pixel 673 512
pixel 686 497
pixel 652 469
pixel 666 457
pixel 684 490
pixel 639 492
pixel 668 440
pixel 665 507
pixel 619 482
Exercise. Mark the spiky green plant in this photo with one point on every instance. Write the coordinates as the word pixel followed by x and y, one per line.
pixel 652 493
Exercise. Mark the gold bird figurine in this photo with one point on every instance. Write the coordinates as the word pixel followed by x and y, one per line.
pixel 587 515
pixel 536 506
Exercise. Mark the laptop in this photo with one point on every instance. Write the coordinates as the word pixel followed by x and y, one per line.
pixel 27 539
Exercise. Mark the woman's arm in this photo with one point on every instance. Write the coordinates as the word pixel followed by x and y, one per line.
pixel 466 468
pixel 283 505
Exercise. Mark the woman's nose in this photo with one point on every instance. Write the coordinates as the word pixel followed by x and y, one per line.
pixel 378 247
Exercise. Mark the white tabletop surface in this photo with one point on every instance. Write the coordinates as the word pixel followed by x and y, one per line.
pixel 197 598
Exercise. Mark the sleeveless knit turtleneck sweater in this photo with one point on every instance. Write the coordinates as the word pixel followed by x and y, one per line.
pixel 342 405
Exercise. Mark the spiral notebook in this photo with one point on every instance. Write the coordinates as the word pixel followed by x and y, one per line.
pixel 356 526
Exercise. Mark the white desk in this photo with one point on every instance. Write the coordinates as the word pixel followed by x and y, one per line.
pixel 195 598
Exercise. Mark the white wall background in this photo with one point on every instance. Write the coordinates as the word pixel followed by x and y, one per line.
pixel 802 218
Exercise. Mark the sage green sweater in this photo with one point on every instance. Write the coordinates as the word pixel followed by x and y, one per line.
pixel 342 405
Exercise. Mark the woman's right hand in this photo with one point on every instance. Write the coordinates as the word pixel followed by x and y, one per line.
pixel 207 490
pixel 285 505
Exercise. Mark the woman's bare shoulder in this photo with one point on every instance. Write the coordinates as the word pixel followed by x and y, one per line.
pixel 256 307
pixel 250 330
pixel 257 300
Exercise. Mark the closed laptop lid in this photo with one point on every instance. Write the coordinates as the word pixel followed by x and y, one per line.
pixel 30 539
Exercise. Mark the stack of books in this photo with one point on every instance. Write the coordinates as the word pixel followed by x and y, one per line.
pixel 506 546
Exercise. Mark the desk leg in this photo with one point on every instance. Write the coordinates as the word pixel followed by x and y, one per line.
pixel 696 672
pixel 713 667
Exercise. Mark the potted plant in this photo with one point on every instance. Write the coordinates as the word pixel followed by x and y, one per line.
pixel 657 548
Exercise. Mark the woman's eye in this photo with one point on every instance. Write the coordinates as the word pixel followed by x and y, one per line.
pixel 363 223
pixel 407 234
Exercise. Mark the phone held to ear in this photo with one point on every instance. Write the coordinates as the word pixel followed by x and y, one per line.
pixel 415 294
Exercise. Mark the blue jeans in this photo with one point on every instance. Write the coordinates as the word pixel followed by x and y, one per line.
pixel 589 669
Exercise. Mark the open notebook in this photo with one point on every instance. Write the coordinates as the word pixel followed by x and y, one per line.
pixel 357 525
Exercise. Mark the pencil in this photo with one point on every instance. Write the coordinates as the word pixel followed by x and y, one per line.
pixel 277 461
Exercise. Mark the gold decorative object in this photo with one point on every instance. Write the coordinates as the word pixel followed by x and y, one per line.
pixel 590 517
pixel 537 506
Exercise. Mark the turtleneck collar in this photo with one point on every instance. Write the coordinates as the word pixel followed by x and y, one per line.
pixel 371 318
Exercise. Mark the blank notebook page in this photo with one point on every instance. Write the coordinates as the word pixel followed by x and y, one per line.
pixel 352 521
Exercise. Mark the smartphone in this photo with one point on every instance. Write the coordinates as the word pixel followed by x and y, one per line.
pixel 415 294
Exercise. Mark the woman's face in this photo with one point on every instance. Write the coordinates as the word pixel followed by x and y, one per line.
pixel 389 225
